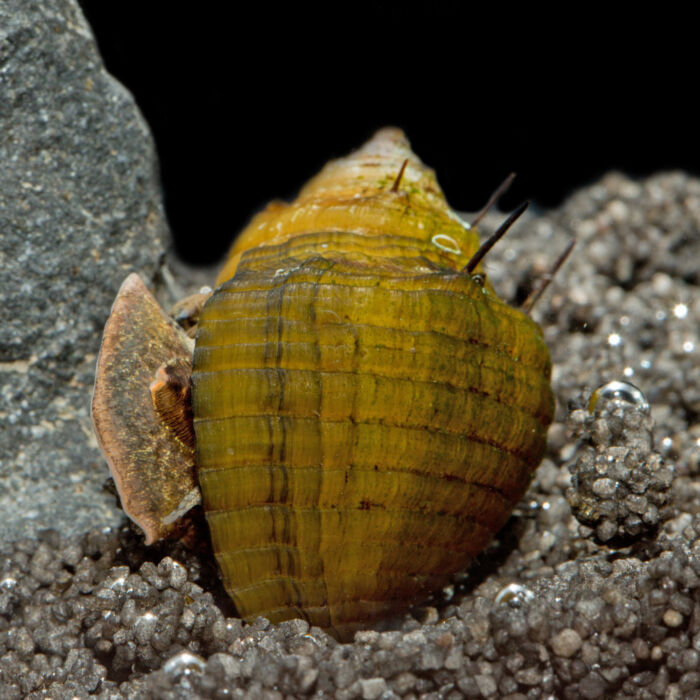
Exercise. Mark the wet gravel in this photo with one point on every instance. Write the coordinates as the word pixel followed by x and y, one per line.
pixel 592 589
pixel 619 486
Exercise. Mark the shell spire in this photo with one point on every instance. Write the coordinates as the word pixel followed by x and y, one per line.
pixel 356 194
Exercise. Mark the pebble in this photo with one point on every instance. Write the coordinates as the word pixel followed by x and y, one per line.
pixel 372 688
pixel 672 618
pixel 566 643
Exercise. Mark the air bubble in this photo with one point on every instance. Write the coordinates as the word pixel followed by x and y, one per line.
pixel 513 594
pixel 680 310
pixel 621 392
pixel 184 663
pixel 614 339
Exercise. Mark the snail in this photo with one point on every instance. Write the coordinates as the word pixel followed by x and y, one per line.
pixel 359 409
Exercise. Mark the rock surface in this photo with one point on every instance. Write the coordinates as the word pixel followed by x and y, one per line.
pixel 79 209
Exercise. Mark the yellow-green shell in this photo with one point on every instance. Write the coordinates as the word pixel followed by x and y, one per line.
pixel 366 417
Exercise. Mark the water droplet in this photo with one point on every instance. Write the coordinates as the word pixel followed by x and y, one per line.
pixel 628 372
pixel 660 315
pixel 624 320
pixel 688 346
pixel 614 340
pixel 645 364
pixel 680 310
pixel 622 392
pixel 184 663
pixel 513 594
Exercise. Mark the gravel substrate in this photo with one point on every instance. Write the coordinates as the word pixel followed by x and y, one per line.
pixel 592 590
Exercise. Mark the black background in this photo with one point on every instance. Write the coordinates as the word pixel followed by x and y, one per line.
pixel 245 107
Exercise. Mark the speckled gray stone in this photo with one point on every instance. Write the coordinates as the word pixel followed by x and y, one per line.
pixel 79 209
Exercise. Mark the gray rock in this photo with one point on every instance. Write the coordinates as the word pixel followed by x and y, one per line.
pixel 79 209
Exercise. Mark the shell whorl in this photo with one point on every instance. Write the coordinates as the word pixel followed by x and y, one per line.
pixel 354 195
pixel 366 415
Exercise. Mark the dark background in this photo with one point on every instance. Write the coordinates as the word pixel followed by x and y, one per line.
pixel 245 108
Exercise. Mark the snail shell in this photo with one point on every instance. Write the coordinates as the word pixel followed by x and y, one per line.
pixel 366 413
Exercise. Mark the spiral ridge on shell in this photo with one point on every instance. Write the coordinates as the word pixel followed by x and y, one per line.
pixel 366 413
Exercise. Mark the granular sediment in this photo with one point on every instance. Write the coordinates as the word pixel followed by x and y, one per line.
pixel 591 590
